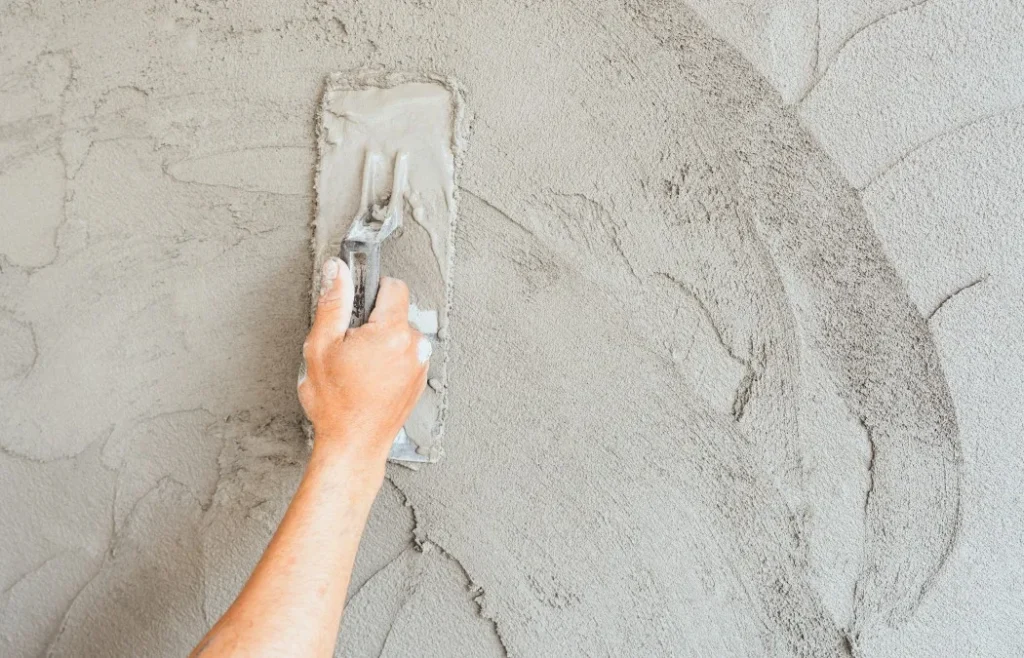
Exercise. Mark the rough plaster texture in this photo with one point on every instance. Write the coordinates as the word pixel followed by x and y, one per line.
pixel 736 328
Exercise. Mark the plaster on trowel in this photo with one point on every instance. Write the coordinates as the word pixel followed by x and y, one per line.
pixel 389 147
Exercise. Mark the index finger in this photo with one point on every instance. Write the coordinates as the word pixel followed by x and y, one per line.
pixel 392 305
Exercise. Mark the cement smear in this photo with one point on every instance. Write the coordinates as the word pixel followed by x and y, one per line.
pixel 705 398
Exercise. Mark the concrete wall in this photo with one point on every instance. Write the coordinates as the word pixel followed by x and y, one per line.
pixel 736 340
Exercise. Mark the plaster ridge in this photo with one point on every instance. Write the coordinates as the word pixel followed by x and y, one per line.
pixel 815 80
pixel 477 594
pixel 33 570
pixel 422 542
pixel 498 210
pixel 962 125
pixel 947 298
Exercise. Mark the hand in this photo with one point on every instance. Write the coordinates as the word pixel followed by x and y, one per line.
pixel 361 384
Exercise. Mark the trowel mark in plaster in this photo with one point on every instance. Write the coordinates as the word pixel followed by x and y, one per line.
pixel 872 339
pixel 712 454
pixel 750 310
pixel 419 215
pixel 909 530
pixel 887 370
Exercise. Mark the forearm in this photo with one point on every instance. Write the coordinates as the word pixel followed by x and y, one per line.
pixel 292 603
pixel 368 377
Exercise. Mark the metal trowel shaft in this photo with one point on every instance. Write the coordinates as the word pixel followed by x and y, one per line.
pixel 371 226
pixel 364 261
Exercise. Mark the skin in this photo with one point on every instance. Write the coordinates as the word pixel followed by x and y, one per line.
pixel 359 388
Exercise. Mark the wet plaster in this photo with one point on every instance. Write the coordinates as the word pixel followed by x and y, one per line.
pixel 735 339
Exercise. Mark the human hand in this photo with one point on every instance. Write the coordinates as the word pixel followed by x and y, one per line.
pixel 361 384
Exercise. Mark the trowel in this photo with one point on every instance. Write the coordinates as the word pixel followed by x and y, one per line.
pixel 378 218
pixel 388 150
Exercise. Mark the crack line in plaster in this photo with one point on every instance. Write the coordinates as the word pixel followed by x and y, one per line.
pixel 818 78
pixel 498 210
pixel 352 597
pixel 599 213
pixel 109 553
pixel 817 38
pixel 963 125
pixel 48 651
pixel 947 550
pixel 420 541
pixel 872 449
pixel 408 593
pixel 55 141
pixel 32 571
pixel 138 501
pixel 753 369
pixel 14 454
pixel 35 345
pixel 947 298
pixel 166 168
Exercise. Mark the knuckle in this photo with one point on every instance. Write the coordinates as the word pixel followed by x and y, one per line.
pixel 397 286
pixel 305 393
pixel 399 339
pixel 312 347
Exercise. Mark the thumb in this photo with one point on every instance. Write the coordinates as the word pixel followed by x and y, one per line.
pixel 334 309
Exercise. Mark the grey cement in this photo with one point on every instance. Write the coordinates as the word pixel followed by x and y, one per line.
pixel 735 337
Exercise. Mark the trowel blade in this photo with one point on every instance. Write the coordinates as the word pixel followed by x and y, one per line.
pixel 404 450
pixel 412 120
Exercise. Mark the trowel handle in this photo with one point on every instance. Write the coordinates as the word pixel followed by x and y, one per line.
pixel 364 261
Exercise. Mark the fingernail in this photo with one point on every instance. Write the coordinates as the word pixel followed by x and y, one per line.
pixel 328 273
pixel 424 349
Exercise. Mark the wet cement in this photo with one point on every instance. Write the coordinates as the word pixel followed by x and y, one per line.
pixel 735 358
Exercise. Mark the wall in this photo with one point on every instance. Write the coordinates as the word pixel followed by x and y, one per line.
pixel 736 338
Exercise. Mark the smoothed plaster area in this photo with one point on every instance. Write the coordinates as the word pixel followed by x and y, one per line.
pixel 734 361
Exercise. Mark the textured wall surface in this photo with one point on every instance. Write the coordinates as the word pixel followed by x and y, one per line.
pixel 736 336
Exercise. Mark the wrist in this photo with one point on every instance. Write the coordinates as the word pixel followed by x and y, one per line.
pixel 344 462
